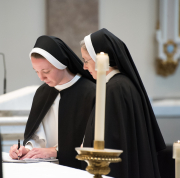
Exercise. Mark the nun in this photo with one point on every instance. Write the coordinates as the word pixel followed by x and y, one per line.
pixel 61 106
pixel 130 123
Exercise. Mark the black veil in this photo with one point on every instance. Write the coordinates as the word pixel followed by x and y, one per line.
pixel 105 41
pixel 59 50
pixel 130 123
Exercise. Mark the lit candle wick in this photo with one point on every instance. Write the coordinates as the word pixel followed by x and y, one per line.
pixel 101 52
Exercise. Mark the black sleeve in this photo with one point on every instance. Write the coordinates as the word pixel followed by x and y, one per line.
pixel 57 155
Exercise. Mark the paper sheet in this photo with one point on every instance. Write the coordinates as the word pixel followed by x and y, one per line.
pixel 7 158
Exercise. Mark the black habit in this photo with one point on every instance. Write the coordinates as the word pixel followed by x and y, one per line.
pixel 130 123
pixel 75 105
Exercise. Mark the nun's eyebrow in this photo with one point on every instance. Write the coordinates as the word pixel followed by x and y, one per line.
pixel 42 69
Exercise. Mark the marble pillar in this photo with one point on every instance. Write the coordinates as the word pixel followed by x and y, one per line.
pixel 71 20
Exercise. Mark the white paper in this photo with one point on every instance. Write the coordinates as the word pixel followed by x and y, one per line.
pixel 7 158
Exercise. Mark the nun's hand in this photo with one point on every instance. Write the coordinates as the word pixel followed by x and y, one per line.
pixel 14 152
pixel 41 153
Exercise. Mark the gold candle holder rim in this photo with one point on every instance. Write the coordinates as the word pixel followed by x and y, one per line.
pixel 92 151
pixel 98 160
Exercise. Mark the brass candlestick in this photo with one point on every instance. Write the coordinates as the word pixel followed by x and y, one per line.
pixel 98 158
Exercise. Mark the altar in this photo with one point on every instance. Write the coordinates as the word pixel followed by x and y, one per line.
pixel 42 170
pixel 167 112
pixel 14 110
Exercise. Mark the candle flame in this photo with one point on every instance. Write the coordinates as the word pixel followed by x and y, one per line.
pixel 101 52
pixel 178 141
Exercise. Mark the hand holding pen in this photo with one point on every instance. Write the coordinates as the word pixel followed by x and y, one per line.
pixel 17 151
pixel 18 147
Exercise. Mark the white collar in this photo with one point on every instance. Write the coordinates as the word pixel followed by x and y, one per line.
pixel 111 74
pixel 68 84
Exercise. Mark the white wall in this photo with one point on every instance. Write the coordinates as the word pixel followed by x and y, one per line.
pixel 134 22
pixel 21 22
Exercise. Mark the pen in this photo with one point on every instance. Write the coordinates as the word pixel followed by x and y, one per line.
pixel 18 147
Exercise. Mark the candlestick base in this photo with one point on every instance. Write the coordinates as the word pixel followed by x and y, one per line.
pixel 98 160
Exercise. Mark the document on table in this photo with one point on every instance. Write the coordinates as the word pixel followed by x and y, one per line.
pixel 7 158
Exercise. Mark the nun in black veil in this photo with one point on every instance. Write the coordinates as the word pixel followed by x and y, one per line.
pixel 130 123
pixel 61 106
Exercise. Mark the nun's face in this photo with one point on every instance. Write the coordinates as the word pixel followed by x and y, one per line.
pixel 47 72
pixel 89 64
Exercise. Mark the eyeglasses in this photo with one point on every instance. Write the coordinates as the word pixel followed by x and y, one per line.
pixel 85 62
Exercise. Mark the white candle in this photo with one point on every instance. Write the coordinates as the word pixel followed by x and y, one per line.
pixel 102 65
pixel 176 156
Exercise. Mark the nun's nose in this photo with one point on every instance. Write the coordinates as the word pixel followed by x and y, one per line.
pixel 41 77
pixel 85 67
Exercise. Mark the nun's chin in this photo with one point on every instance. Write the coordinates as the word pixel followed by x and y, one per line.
pixel 50 84
pixel 94 76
